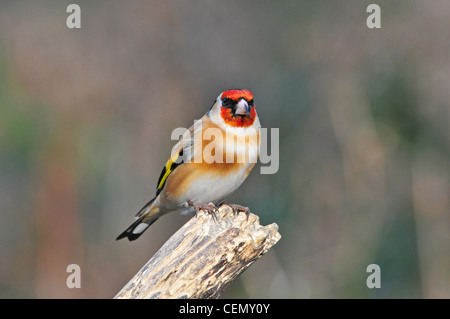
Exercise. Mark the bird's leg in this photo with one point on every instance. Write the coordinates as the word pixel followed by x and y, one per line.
pixel 237 208
pixel 210 208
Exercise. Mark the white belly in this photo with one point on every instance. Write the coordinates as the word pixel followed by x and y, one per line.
pixel 214 189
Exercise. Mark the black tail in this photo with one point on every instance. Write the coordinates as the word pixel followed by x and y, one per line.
pixel 137 228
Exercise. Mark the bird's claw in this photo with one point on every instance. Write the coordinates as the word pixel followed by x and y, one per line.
pixel 239 208
pixel 210 208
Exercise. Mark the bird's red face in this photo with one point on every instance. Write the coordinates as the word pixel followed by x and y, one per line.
pixel 237 108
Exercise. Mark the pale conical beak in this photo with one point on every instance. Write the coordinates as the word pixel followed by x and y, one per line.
pixel 242 108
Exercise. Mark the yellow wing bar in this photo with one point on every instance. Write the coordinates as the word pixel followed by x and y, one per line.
pixel 170 166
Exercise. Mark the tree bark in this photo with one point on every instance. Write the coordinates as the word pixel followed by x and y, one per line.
pixel 203 257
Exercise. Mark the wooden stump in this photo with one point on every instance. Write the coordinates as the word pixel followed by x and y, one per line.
pixel 203 257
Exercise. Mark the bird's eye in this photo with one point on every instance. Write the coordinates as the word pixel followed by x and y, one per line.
pixel 226 102
pixel 251 103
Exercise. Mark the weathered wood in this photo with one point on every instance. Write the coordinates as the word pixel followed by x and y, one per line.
pixel 203 257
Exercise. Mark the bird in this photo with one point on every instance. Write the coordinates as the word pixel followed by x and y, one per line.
pixel 209 162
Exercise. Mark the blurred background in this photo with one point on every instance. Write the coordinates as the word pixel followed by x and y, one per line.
pixel 86 117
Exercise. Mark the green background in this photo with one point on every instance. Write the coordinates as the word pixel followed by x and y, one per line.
pixel 86 117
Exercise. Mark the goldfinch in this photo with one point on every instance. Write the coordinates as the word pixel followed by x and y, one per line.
pixel 209 162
